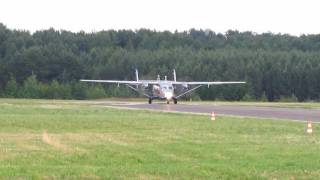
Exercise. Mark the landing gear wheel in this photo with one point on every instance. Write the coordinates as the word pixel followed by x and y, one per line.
pixel 150 100
pixel 168 101
pixel 175 101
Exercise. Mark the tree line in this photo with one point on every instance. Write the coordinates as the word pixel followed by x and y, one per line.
pixel 49 63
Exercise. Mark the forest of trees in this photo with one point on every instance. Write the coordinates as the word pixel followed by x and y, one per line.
pixel 49 63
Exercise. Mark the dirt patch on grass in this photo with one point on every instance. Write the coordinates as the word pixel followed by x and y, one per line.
pixel 63 143
pixel 50 140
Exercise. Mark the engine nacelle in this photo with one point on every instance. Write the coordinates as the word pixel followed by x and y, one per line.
pixel 185 85
pixel 145 85
pixel 156 87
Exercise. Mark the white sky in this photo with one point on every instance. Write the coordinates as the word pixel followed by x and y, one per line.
pixel 294 17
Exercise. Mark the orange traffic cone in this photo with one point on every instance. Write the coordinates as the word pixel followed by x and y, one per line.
pixel 213 116
pixel 309 127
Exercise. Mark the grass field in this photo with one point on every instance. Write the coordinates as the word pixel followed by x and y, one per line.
pixel 43 139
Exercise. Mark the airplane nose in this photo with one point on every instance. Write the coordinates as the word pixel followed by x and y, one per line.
pixel 168 95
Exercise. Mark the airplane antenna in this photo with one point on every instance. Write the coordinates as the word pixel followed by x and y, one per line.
pixel 174 75
pixel 137 75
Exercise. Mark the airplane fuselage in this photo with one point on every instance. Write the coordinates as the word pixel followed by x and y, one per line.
pixel 163 90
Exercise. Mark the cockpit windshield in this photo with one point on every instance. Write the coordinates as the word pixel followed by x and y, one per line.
pixel 167 87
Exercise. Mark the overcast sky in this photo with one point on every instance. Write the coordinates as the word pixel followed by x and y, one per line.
pixel 294 17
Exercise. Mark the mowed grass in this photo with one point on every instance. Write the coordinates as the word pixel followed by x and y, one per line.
pixel 43 139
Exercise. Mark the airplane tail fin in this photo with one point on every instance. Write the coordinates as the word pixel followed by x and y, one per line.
pixel 137 75
pixel 174 75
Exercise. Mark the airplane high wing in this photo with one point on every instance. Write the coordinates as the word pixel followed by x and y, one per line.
pixel 163 89
pixel 157 82
pixel 208 82
pixel 122 82
pixel 199 84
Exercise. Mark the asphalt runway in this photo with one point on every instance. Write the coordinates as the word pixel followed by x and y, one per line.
pixel 299 114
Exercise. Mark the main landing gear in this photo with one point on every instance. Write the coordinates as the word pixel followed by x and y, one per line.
pixel 175 101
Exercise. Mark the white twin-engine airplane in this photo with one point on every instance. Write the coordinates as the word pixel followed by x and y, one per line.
pixel 163 89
